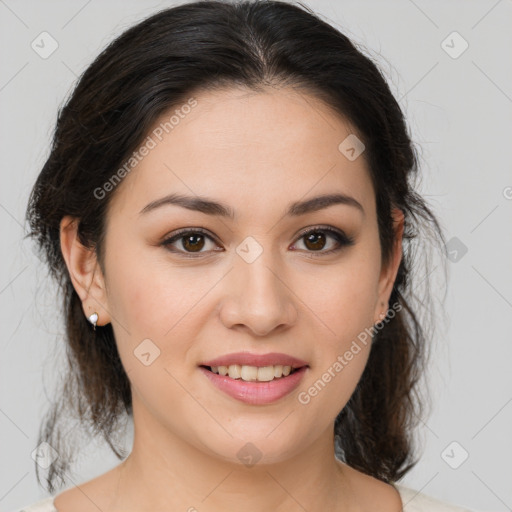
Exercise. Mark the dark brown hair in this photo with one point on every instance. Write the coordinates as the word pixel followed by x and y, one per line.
pixel 158 64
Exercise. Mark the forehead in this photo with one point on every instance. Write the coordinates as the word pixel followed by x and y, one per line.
pixel 248 149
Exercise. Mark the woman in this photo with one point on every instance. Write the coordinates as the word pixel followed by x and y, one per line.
pixel 228 208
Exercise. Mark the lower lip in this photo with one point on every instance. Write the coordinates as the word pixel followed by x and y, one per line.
pixel 256 393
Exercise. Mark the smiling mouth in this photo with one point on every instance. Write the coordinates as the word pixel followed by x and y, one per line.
pixel 253 373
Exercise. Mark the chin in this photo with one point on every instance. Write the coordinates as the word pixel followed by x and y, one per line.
pixel 250 450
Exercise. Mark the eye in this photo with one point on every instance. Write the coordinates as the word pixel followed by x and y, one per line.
pixel 315 240
pixel 192 240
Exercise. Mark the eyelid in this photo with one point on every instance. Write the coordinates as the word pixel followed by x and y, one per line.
pixel 184 231
pixel 320 227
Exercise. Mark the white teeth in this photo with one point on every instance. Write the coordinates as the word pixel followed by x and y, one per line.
pixel 249 373
pixel 253 373
pixel 266 373
pixel 235 371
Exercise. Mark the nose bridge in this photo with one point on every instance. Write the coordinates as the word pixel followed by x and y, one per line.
pixel 259 276
pixel 262 301
pixel 257 267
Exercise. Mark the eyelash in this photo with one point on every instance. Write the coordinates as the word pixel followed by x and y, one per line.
pixel 342 239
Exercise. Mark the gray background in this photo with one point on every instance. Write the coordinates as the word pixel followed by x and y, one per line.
pixel 460 113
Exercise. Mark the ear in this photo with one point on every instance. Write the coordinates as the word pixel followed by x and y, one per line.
pixel 84 270
pixel 389 272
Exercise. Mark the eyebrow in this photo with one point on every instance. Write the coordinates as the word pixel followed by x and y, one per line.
pixel 210 207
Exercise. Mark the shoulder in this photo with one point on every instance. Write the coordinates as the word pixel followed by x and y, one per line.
pixel 89 496
pixel 372 493
pixel 44 505
pixel 414 501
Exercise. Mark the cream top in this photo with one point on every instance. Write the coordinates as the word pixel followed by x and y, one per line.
pixel 413 501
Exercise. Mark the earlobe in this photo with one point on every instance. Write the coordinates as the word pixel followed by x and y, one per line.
pixel 84 271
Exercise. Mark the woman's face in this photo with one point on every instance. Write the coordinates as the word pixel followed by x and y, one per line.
pixel 248 283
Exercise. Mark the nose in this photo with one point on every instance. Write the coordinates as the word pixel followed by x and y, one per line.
pixel 258 297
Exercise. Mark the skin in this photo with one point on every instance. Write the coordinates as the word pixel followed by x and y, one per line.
pixel 256 152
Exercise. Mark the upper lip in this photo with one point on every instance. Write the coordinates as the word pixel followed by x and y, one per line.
pixel 249 359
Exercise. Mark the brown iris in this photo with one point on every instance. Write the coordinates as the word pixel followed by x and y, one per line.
pixel 194 242
pixel 315 240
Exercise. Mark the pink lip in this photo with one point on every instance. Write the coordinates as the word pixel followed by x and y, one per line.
pixel 248 359
pixel 255 393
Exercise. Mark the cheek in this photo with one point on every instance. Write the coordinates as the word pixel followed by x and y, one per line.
pixel 346 316
pixel 156 311
pixel 344 303
pixel 143 295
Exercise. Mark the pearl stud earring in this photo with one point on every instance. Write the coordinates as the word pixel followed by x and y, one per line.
pixel 93 319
